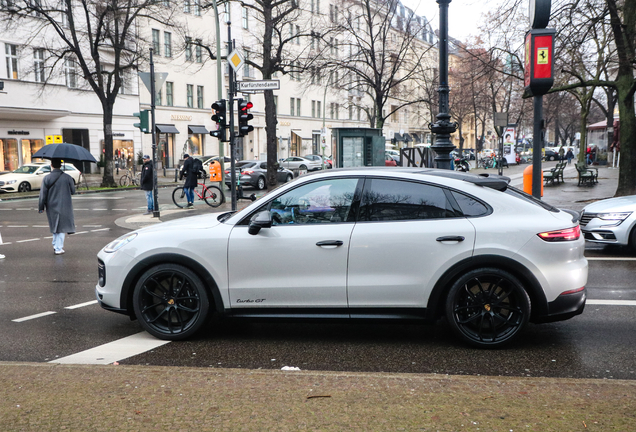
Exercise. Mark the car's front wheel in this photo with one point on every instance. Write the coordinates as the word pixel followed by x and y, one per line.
pixel 24 187
pixel 170 302
pixel 289 178
pixel 488 307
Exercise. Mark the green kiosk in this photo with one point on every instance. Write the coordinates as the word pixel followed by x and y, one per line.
pixel 357 147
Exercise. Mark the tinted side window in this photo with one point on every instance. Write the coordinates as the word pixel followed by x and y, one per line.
pixel 325 201
pixel 394 200
pixel 46 168
pixel 470 206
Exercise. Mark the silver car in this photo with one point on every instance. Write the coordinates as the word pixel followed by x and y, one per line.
pixel 301 163
pixel 611 221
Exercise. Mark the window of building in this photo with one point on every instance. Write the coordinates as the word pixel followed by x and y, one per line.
pixel 38 64
pixel 298 107
pixel 158 100
pixel 276 104
pixel 186 6
pixel 11 52
pixel 197 7
pixel 318 109
pixel 156 46
pixel 245 18
pixel 297 35
pixel 395 116
pixel 200 97
pixel 292 106
pixel 197 51
pixel 246 67
pixel 167 44
pixel 70 72
pixel 122 82
pixel 190 95
pixel 313 109
pixel 169 93
pixel 188 48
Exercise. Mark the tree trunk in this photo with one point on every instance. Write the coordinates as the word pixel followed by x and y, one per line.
pixel 272 139
pixel 627 172
pixel 108 180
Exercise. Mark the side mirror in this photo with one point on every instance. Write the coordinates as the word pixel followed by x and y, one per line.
pixel 260 220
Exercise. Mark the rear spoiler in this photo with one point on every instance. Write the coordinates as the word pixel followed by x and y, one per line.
pixel 492 181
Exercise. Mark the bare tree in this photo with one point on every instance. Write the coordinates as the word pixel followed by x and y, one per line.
pixel 100 36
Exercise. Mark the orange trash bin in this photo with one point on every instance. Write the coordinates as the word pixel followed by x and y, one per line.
pixel 215 171
pixel 527 180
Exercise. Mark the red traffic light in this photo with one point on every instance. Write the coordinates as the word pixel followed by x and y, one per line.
pixel 246 105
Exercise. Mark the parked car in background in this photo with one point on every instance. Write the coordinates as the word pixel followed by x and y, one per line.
pixel 319 159
pixel 486 256
pixel 254 173
pixel 301 163
pixel 550 155
pixel 611 221
pixel 388 160
pixel 207 160
pixel 29 176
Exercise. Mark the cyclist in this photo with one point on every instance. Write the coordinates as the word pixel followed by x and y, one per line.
pixel 146 183
pixel 191 176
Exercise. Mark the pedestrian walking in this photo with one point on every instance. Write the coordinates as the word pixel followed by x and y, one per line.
pixel 561 153
pixel 55 198
pixel 147 183
pixel 569 155
pixel 190 175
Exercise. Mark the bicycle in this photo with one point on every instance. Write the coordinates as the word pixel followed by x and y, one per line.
pixel 212 195
pixel 129 179
pixel 81 184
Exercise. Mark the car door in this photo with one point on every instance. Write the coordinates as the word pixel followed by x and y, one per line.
pixel 407 235
pixel 36 181
pixel 301 261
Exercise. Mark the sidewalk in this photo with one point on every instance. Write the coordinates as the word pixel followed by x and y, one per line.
pixel 49 397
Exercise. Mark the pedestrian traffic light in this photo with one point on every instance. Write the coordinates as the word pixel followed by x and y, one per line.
pixel 219 116
pixel 143 124
pixel 244 117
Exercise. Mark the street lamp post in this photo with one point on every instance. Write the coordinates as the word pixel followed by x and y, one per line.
pixel 443 127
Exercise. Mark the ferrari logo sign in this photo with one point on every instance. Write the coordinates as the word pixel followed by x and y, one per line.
pixel 543 56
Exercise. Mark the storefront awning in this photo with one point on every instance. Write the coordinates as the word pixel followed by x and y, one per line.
pixel 416 138
pixel 166 128
pixel 398 137
pixel 407 137
pixel 193 129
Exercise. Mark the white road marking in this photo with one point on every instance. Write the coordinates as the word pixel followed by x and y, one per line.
pixel 81 305
pixel 17 226
pixel 92 226
pixel 97 198
pixel 101 229
pixel 611 258
pixel 100 209
pixel 40 226
pixel 114 351
pixel 30 317
pixel 611 302
pixel 28 240
pixel 80 232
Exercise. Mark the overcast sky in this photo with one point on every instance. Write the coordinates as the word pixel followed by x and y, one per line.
pixel 463 15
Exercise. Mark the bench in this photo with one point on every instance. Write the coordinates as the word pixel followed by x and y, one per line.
pixel 587 175
pixel 554 174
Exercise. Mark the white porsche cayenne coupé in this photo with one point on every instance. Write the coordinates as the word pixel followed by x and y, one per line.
pixel 370 243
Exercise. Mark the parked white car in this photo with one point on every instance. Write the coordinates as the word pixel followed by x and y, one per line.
pixel 611 221
pixel 301 163
pixel 29 176
pixel 374 243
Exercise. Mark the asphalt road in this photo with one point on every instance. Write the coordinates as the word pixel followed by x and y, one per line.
pixel 48 313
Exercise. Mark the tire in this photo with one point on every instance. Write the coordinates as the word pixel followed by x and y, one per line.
pixel 261 183
pixel 488 307
pixel 170 302
pixel 289 178
pixel 124 181
pixel 302 167
pixel 179 198
pixel 632 239
pixel 213 196
pixel 24 187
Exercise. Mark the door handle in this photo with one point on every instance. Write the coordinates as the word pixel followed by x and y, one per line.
pixel 330 243
pixel 450 238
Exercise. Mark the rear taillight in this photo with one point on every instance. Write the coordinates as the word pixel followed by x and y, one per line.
pixel 569 234
pixel 247 172
pixel 227 171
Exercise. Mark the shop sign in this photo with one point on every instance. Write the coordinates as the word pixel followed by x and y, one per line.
pixel 17 132
pixel 54 139
pixel 180 117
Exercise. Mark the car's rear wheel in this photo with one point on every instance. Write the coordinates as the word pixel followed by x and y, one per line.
pixel 302 167
pixel 170 302
pixel 488 307
pixel 24 187
pixel 289 178
pixel 261 183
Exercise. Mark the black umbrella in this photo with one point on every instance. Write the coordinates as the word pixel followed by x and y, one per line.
pixel 64 151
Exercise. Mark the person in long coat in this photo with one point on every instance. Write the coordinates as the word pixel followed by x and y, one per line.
pixel 191 176
pixel 55 198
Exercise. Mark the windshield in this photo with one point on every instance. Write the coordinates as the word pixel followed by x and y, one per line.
pixel 27 169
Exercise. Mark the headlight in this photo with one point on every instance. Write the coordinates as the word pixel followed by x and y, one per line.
pixel 10 182
pixel 614 216
pixel 115 245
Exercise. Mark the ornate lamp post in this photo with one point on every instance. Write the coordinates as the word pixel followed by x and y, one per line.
pixel 443 127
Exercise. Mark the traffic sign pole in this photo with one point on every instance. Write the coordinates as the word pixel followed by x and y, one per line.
pixel 230 110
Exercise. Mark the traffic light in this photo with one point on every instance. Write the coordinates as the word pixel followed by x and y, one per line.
pixel 244 117
pixel 220 118
pixel 144 124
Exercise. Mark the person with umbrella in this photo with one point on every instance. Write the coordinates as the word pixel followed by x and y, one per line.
pixel 55 198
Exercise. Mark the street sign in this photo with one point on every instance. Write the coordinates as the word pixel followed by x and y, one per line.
pixel 160 78
pixel 236 60
pixel 260 85
pixel 54 139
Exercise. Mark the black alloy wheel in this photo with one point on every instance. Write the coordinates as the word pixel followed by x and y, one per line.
pixel 24 187
pixel 488 307
pixel 170 302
